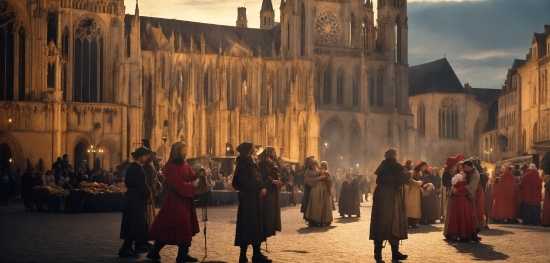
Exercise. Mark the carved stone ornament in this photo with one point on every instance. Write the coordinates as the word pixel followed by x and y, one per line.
pixel 327 29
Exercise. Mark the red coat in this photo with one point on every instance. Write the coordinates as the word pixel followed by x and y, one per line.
pixel 177 221
pixel 506 196
pixel 546 207
pixel 531 188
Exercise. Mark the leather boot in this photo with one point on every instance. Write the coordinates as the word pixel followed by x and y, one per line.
pixel 378 251
pixel 257 256
pixel 395 254
pixel 242 256
pixel 154 254
pixel 183 254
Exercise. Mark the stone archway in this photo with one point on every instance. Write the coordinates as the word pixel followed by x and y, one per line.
pixel 5 158
pixel 13 151
pixel 333 136
pixel 80 154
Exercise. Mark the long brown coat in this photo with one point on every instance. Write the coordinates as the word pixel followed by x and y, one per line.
pixel 388 217
pixel 271 208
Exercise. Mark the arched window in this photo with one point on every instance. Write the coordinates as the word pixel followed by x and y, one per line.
pixel 88 62
pixel 65 55
pixel 524 140
pixel 318 82
pixel 379 101
pixel 327 85
pixel 356 93
pixel 448 119
pixel 536 132
pixel 365 34
pixel 421 120
pixel 12 46
pixel 288 36
pixel 206 86
pixel 372 93
pixel 398 40
pixel 352 27
pixel 303 31
pixel 340 87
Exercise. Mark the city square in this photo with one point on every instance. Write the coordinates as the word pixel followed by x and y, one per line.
pixel 44 237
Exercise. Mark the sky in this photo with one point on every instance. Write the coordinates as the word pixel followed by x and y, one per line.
pixel 480 38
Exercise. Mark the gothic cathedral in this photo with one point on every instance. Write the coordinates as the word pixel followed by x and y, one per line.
pixel 84 78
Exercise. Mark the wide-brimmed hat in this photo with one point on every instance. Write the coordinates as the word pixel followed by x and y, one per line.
pixel 245 147
pixel 141 151
pixel 418 164
pixel 452 161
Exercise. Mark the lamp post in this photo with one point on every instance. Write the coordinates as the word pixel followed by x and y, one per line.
pixel 342 162
pixel 101 154
pixel 325 152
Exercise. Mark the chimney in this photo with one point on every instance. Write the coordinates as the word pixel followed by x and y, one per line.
pixel 468 88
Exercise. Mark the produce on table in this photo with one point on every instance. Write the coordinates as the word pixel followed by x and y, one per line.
pixel 100 188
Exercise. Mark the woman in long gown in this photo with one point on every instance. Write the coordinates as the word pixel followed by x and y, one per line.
pixel 430 197
pixel 319 208
pixel 349 197
pixel 461 221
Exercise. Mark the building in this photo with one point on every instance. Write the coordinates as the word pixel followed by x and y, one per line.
pixel 86 79
pixel 535 103
pixel 449 118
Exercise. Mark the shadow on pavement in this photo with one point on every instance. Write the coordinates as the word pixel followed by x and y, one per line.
pixel 314 229
pixel 424 229
pixel 479 251
pixel 346 220
pixel 527 228
pixel 495 232
pixel 296 251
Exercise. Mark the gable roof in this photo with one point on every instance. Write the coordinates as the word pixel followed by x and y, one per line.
pixel 215 36
pixel 435 76
pixel 485 96
pixel 518 63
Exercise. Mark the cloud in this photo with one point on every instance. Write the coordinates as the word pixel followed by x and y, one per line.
pixel 479 55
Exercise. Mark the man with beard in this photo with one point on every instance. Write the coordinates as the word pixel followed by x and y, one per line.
pixel 176 222
pixel 388 217
pixel 271 209
pixel 134 224
pixel 248 182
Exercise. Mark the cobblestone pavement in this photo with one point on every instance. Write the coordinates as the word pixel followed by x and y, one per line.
pixel 52 237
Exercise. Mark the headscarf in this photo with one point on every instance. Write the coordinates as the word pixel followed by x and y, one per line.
pixel 310 161
pixel 266 154
pixel 175 151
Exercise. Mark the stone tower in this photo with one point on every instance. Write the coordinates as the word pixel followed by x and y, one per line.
pixel 241 17
pixel 267 15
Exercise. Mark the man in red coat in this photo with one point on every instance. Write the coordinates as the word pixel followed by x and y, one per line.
pixel 176 222
pixel 506 196
pixel 530 196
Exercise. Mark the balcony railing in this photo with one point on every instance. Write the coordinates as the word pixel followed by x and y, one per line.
pixel 339 52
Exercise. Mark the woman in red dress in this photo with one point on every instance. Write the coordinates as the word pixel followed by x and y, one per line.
pixel 176 222
pixel 462 222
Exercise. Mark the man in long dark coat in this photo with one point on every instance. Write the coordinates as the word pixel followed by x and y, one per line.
pixel 134 224
pixel 388 217
pixel 271 208
pixel 248 182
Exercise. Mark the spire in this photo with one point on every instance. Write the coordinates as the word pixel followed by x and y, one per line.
pixel 267 5
pixel 137 8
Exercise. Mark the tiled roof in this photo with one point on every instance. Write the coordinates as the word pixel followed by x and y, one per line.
pixel 435 76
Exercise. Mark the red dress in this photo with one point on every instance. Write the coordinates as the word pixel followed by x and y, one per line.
pixel 461 217
pixel 506 196
pixel 531 190
pixel 177 221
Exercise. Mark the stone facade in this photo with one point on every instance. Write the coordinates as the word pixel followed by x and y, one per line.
pixel 88 77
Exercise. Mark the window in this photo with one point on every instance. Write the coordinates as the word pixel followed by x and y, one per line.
pixel 327 87
pixel 51 76
pixel 12 35
pixel 397 46
pixel 340 87
pixel 88 62
pixel 206 86
pixel 352 28
pixel 288 36
pixel 356 84
pixel 52 28
pixel 380 87
pixel 448 119
pixel 371 87
pixel 421 120
pixel 365 34
pixel 318 82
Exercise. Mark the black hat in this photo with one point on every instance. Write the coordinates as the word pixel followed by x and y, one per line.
pixel 245 148
pixel 140 152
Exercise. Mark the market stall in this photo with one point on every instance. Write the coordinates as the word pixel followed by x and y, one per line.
pixel 51 197
pixel 95 198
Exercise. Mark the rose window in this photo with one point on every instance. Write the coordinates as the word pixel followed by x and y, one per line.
pixel 327 29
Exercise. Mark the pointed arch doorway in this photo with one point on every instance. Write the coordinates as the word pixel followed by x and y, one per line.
pixel 6 158
pixel 80 154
